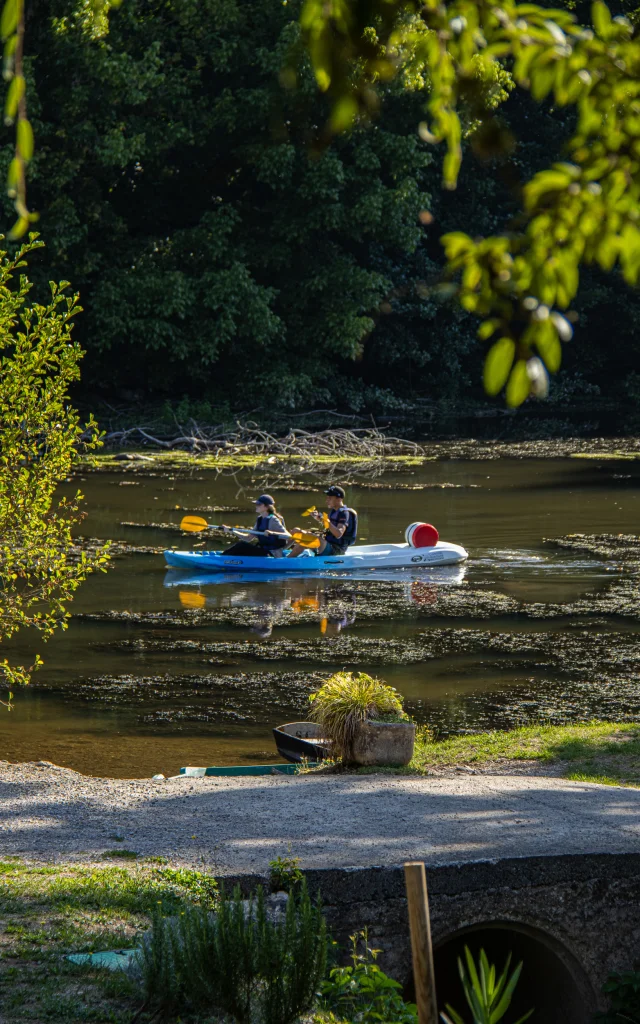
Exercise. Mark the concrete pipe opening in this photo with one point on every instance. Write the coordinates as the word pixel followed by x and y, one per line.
pixel 552 980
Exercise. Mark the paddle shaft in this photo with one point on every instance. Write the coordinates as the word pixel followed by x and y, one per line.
pixel 195 524
pixel 257 533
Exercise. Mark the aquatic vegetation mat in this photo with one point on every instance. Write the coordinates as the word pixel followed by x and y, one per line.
pixel 117 548
pixel 248 697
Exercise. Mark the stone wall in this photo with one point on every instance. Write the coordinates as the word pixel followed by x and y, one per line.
pixel 572 919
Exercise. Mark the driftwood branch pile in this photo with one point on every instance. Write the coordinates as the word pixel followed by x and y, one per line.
pixel 249 439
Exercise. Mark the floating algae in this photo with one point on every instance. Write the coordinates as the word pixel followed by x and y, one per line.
pixel 251 697
pixel 117 548
pixel 545 676
pixel 611 546
pixel 358 600
pixel 171 527
pixel 581 653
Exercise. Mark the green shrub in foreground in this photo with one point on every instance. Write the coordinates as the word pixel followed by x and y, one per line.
pixel 236 960
pixel 363 992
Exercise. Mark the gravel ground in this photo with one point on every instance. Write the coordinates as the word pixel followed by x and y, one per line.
pixel 237 825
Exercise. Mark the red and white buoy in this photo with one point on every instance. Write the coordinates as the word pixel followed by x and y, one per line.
pixel 421 535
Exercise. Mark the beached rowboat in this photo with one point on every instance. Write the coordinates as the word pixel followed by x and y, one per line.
pixel 360 556
pixel 301 741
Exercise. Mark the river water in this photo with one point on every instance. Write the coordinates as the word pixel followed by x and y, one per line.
pixel 159 670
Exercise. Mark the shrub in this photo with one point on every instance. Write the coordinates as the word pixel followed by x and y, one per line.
pixel 237 960
pixel 285 874
pixel 623 989
pixel 363 992
pixel 347 699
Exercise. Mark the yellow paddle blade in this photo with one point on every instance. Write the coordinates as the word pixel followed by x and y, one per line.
pixel 193 524
pixel 190 600
pixel 325 520
pixel 309 511
pixel 306 540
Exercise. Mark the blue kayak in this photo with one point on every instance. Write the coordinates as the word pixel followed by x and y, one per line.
pixel 360 556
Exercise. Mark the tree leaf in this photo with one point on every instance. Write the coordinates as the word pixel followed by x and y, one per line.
pixel 519 385
pixel 15 93
pixel 497 365
pixel 9 17
pixel 601 18
pixel 343 114
pixel 24 135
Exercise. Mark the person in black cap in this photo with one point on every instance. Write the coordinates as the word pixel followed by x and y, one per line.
pixel 343 526
pixel 273 533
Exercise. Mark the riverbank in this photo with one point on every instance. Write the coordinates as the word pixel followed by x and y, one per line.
pixel 603 752
pixel 465 797
pixel 361 450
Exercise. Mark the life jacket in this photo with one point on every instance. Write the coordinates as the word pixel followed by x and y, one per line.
pixel 349 535
pixel 265 523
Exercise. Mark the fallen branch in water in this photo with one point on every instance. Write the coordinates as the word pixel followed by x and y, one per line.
pixel 249 439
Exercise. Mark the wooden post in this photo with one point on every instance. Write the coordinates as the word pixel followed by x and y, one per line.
pixel 421 948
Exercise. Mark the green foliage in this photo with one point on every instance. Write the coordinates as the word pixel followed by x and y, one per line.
pixel 187 190
pixel 623 989
pixel 585 210
pixel 237 960
pixel 348 698
pixel 285 874
pixel 197 887
pixel 488 996
pixel 363 992
pixel 204 234
pixel 40 440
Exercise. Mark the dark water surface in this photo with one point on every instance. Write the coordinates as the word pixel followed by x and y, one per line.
pixel 197 671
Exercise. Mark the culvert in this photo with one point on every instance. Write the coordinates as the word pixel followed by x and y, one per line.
pixel 552 981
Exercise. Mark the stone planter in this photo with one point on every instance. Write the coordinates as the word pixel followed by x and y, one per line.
pixel 383 743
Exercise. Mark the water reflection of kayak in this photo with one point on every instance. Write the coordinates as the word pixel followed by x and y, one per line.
pixel 361 556
pixel 448 574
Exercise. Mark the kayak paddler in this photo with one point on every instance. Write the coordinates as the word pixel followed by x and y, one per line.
pixel 342 530
pixel 273 532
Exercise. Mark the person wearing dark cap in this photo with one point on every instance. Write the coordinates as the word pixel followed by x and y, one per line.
pixel 273 534
pixel 343 526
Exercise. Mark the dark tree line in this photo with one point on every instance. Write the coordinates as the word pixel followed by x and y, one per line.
pixel 220 255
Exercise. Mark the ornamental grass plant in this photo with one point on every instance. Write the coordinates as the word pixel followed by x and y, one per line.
pixel 346 700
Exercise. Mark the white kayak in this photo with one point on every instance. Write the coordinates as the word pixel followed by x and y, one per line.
pixel 360 556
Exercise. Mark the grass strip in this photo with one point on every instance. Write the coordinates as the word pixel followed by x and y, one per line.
pixel 606 752
pixel 47 911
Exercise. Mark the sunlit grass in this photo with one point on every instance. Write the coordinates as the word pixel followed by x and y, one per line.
pixel 605 752
pixel 47 911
